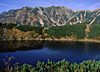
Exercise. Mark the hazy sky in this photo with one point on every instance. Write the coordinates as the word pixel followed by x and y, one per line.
pixel 73 4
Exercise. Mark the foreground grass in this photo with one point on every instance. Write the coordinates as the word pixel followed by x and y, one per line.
pixel 60 66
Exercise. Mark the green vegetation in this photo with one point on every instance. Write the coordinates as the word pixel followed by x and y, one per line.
pixel 60 66
pixel 26 28
pixel 8 26
pixel 76 30
pixel 95 31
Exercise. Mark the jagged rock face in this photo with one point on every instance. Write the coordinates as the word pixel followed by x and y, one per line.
pixel 49 16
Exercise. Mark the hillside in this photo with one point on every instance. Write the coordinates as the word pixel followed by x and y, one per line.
pixel 49 23
pixel 49 16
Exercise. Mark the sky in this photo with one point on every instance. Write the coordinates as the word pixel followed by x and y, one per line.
pixel 6 5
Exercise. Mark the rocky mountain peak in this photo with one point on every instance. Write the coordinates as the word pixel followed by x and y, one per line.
pixel 48 16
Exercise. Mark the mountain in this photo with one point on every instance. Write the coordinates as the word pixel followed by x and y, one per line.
pixel 49 16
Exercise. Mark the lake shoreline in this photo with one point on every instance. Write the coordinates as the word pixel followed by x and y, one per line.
pixel 69 40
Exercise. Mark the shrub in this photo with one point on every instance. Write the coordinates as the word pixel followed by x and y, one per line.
pixel 60 66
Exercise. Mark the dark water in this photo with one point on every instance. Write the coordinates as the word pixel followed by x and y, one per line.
pixel 32 51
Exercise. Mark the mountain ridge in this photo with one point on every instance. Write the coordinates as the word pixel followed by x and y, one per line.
pixel 49 16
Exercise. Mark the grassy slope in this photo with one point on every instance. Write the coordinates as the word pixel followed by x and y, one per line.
pixel 77 30
pixel 95 31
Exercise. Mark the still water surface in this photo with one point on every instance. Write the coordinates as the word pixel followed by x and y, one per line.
pixel 32 51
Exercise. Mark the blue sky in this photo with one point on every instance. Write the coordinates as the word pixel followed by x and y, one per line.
pixel 6 5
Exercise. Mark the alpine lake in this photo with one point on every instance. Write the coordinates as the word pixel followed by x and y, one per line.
pixel 30 52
